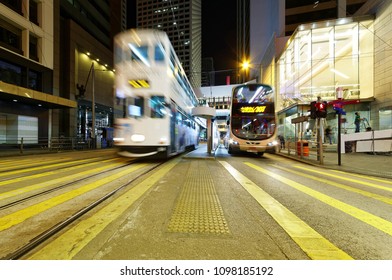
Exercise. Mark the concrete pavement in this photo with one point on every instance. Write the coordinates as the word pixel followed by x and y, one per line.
pixel 379 165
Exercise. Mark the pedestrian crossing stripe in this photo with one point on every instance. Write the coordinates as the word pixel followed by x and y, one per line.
pixel 368 184
pixel 339 185
pixel 310 241
pixel 370 219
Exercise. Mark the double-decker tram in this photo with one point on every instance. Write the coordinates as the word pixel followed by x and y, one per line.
pixel 252 123
pixel 156 95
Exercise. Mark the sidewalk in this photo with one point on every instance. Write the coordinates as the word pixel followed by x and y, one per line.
pixel 379 165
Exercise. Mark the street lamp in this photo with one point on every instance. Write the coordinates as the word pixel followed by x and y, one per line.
pixel 245 65
pixel 82 90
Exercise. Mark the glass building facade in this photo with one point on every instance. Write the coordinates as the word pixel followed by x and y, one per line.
pixel 330 60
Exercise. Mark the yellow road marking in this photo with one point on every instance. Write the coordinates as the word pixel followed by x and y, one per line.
pixel 35 169
pixel 310 241
pixel 58 180
pixel 19 163
pixel 345 178
pixel 28 212
pixel 66 246
pixel 389 182
pixel 373 220
pixel 338 185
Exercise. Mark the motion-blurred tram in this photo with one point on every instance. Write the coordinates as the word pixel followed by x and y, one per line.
pixel 156 94
pixel 252 123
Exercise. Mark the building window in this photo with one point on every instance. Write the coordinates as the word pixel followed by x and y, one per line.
pixel 319 60
pixel 33 48
pixel 33 12
pixel 10 37
pixel 35 80
pixel 15 5
pixel 10 73
pixel 385 118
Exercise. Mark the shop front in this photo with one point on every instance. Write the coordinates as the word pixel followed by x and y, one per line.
pixel 329 60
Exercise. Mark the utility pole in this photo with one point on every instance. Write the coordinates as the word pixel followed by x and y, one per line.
pixel 93 108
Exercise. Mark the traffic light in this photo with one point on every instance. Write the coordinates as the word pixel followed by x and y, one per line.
pixel 321 109
pixel 313 110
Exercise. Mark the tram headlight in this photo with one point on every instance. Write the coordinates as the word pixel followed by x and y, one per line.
pixel 163 140
pixel 138 138
pixel 118 139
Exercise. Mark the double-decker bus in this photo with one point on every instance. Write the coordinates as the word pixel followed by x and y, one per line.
pixel 156 95
pixel 252 122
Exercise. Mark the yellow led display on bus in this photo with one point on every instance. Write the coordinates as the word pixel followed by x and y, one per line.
pixel 253 109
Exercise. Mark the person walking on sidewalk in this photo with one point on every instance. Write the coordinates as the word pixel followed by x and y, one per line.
pixel 282 142
pixel 357 122
pixel 328 134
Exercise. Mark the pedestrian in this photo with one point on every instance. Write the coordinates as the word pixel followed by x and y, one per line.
pixel 328 134
pixel 282 142
pixel 357 122
pixel 308 134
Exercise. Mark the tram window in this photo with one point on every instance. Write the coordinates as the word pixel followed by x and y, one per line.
pixel 135 107
pixel 157 107
pixel 139 53
pixel 179 118
pixel 159 53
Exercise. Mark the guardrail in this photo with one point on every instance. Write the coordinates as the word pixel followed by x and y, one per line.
pixel 54 144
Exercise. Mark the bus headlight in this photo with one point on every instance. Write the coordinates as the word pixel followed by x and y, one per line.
pixel 273 143
pixel 138 138
pixel 232 142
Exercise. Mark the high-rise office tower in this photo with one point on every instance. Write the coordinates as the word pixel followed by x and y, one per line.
pixel 181 20
pixel 84 42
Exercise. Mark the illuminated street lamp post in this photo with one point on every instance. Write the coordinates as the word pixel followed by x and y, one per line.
pixel 245 67
pixel 82 90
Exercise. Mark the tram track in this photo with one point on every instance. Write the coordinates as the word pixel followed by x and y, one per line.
pixel 53 230
pixel 19 201
pixel 54 166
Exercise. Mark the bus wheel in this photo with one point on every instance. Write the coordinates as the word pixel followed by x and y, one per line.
pixel 260 154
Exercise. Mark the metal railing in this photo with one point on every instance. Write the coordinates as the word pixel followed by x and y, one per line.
pixel 53 144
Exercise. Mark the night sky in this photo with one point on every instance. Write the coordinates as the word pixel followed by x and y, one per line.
pixel 218 31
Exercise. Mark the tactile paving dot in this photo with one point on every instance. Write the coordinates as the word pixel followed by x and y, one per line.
pixel 198 209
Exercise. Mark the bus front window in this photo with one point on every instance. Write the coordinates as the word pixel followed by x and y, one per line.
pixel 253 127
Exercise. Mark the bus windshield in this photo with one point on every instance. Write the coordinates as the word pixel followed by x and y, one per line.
pixel 253 112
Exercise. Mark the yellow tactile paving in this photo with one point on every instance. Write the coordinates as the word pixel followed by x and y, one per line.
pixel 198 209
pixel 311 242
